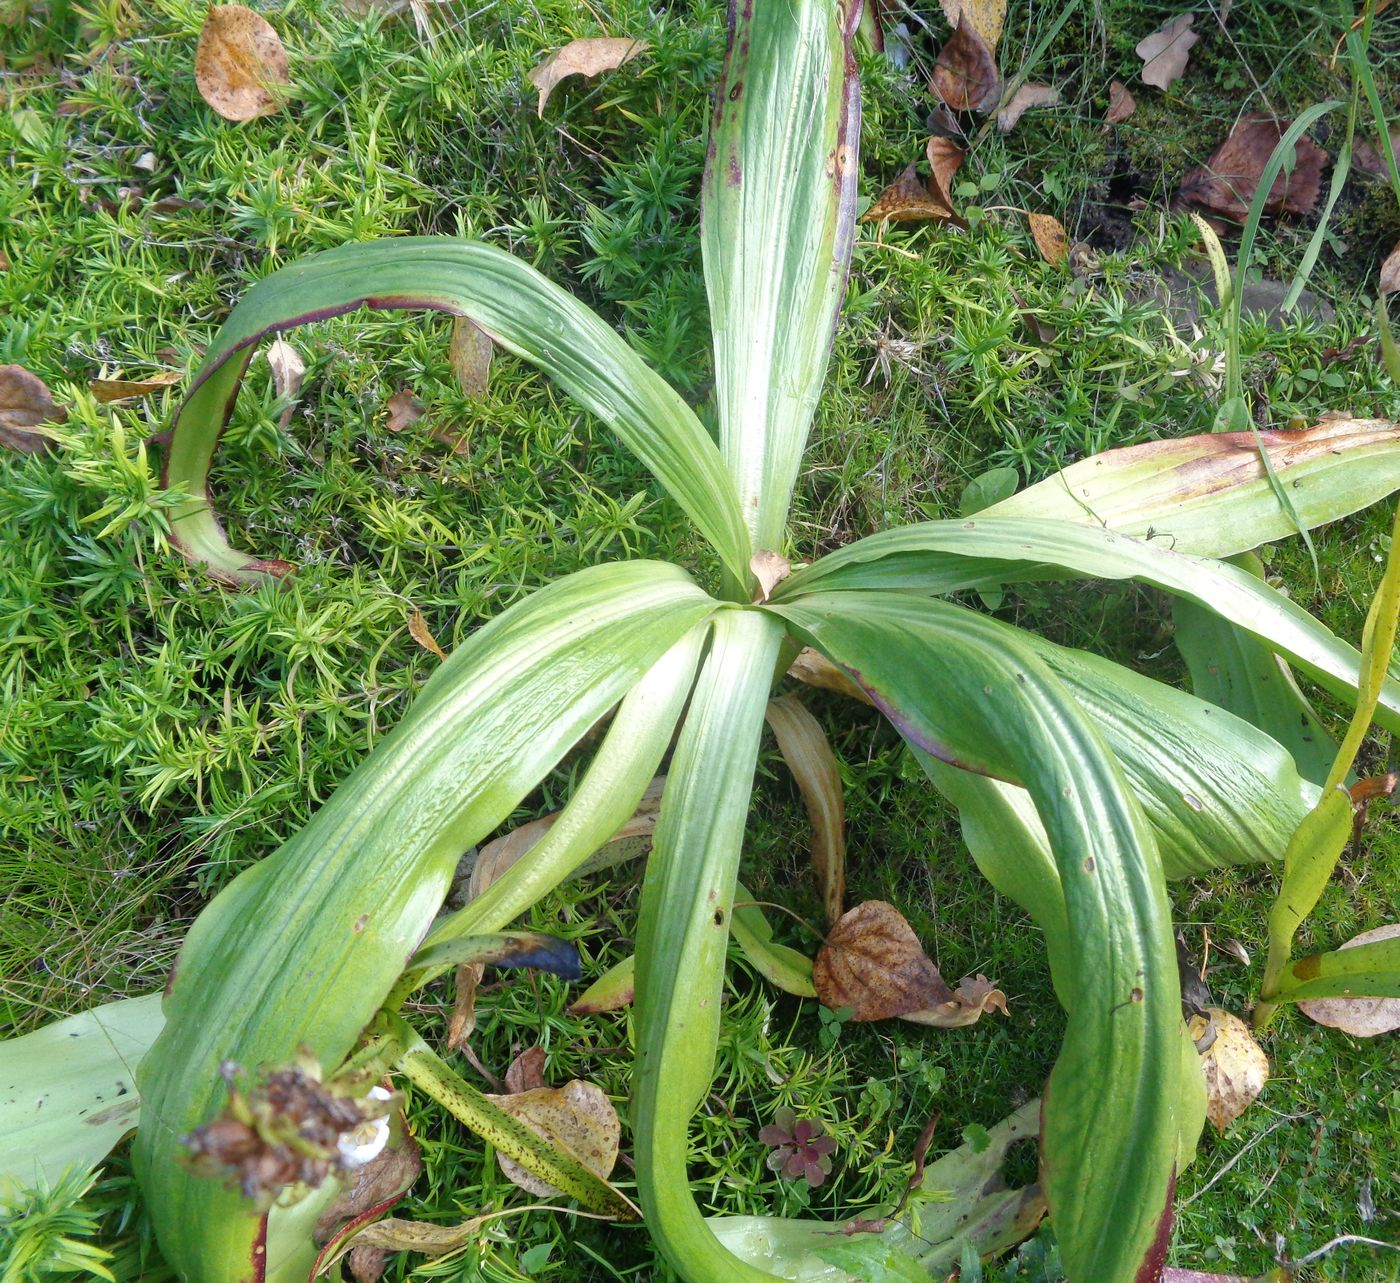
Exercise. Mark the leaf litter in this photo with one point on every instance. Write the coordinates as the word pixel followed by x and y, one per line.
pixel 26 405
pixel 1166 52
pixel 965 76
pixel 587 57
pixel 1226 184
pixel 240 65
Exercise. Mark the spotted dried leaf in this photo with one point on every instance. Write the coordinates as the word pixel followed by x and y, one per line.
pixel 1234 1065
pixel 1360 1017
pixel 404 410
pixel 577 1119
pixel 1050 238
pixel 240 66
pixel 462 1023
pixel 965 75
pixel 587 57
pixel 907 200
pixel 26 404
pixel 1166 51
pixel 872 963
pixel 1026 97
pixel 470 354
pixel 1225 185
pixel 109 390
pixel 1121 103
pixel 420 632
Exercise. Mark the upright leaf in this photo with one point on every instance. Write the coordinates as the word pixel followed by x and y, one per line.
pixel 300 950
pixel 521 311
pixel 777 229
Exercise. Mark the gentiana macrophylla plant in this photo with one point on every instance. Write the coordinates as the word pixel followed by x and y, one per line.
pixel 1082 786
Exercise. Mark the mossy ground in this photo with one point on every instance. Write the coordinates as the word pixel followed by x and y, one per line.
pixel 158 733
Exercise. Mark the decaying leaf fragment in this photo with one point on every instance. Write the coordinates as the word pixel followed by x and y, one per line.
pixel 974 997
pixel 470 355
pixel 587 57
pixel 910 198
pixel 987 16
pixel 1360 1017
pixel 1166 51
pixel 1234 1065
pixel 1120 103
pixel 109 390
pixel 577 1119
pixel 288 371
pixel 770 569
pixel 815 669
pixel 26 404
pixel 1050 238
pixel 965 75
pixel 462 1023
pixel 405 409
pixel 1390 272
pixel 526 1071
pixel 240 66
pixel 1027 96
pixel 1226 183
pixel 420 632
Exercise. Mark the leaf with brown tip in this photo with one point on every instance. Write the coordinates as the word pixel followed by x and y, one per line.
pixel 587 57
pixel 871 961
pixel 240 66
pixel 965 75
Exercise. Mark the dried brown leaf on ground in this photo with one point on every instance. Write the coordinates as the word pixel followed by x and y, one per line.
pixel 288 369
pixel 26 404
pixel 587 57
pixel 974 997
pixel 1026 97
pixel 240 66
pixel 526 1071
pixel 1121 104
pixel 1234 1065
pixel 1050 238
pixel 871 961
pixel 577 1119
pixel 807 752
pixel 1225 185
pixel 404 410
pixel 1369 157
pixel 420 632
pixel 945 158
pixel 1390 272
pixel 1166 51
pixel 462 1023
pixel 907 200
pixel 1360 1017
pixel 109 390
pixel 965 75
pixel 470 354
pixel 987 16
pixel 770 569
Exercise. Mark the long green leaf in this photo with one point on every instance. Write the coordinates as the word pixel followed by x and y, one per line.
pixel 519 308
pixel 1369 970
pixel 1210 495
pixel 300 951
pixel 687 900
pixel 941 556
pixel 960 687
pixel 777 229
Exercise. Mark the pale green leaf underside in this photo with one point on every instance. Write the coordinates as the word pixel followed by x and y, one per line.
pixel 520 309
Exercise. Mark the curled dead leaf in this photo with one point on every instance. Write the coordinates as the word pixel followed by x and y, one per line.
pixel 871 961
pixel 1226 183
pixel 526 1071
pixel 1390 272
pixel 1234 1065
pixel 1050 238
pixel 1026 97
pixel 965 75
pixel 404 410
pixel 240 66
pixel 288 371
pixel 587 57
pixel 1166 51
pixel 1360 1017
pixel 462 1023
pixel 470 354
pixel 907 200
pixel 109 390
pixel 1120 103
pixel 945 158
pixel 770 569
pixel 577 1119
pixel 974 997
pixel 26 404
pixel 420 632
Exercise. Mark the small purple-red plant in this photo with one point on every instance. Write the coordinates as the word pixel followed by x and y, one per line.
pixel 799 1148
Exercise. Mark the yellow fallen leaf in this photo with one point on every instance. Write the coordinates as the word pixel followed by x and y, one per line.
pixel 587 57
pixel 987 16
pixel 1234 1065
pixel 240 66
pixel 107 390
pixel 577 1119
pixel 420 632
pixel 1050 238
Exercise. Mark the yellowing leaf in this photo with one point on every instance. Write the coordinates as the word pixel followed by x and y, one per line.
pixel 987 16
pixel 588 57
pixel 1360 1017
pixel 1234 1065
pixel 240 66
pixel 1165 52
pixel 1026 97
pixel 1050 238
pixel 577 1119
pixel 108 390
pixel 25 405
pixel 470 355
pixel 420 632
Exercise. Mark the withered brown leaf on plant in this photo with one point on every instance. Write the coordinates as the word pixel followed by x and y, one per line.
pixel 1225 185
